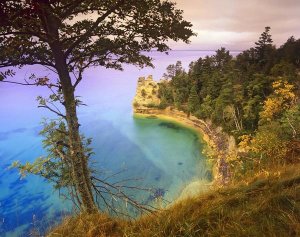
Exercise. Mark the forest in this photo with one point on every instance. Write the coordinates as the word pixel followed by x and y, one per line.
pixel 254 97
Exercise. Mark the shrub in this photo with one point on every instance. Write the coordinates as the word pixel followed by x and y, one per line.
pixel 143 92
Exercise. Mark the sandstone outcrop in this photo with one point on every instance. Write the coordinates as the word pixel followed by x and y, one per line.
pixel 146 94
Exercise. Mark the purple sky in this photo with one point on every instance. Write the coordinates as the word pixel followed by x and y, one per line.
pixel 237 24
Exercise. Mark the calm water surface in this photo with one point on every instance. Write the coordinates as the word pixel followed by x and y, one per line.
pixel 164 156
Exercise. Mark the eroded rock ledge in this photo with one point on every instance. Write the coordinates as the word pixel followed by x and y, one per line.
pixel 221 146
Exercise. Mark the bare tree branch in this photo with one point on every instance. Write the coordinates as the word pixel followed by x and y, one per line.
pixel 29 84
pixel 52 110
pixel 25 63
pixel 117 192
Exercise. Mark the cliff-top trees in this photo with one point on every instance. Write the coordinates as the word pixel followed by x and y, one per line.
pixel 68 36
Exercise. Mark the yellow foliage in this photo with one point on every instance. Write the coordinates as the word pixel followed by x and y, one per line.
pixel 282 98
pixel 232 156
pixel 270 145
pixel 245 143
pixel 272 106
pixel 284 90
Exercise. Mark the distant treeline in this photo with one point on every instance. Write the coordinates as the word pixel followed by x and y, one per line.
pixel 254 97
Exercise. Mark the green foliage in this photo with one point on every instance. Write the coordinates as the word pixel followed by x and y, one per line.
pixel 255 96
pixel 290 52
pixel 163 104
pixel 56 166
pixel 173 70
pixel 290 122
pixel 165 93
pixel 193 100
pixel 283 69
pixel 206 108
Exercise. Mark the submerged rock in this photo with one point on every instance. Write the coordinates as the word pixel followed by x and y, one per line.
pixel 169 125
pixel 158 193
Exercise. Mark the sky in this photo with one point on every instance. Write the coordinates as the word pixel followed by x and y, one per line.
pixel 237 24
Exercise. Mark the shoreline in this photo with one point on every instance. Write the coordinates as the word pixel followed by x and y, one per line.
pixel 217 144
pixel 180 122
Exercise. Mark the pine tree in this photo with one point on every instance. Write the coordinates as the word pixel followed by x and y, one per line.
pixel 264 47
pixel 265 39
pixel 193 101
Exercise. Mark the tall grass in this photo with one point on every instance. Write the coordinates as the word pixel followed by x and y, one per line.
pixel 266 205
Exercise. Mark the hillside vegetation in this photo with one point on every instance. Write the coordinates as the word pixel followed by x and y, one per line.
pixel 266 205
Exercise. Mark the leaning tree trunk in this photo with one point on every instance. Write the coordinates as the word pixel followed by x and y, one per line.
pixel 79 162
pixel 80 171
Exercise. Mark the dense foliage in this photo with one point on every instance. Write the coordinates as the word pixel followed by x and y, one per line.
pixel 254 97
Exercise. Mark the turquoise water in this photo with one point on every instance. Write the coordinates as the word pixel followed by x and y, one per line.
pixel 165 156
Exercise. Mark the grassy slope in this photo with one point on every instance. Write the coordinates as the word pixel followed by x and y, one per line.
pixel 267 205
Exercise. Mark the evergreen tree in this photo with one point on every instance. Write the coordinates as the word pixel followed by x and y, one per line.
pixel 264 41
pixel 264 49
pixel 193 101
pixel 290 52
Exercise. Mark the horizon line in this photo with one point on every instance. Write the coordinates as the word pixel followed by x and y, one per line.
pixel 233 50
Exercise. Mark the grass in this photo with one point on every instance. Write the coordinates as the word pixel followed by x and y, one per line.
pixel 266 205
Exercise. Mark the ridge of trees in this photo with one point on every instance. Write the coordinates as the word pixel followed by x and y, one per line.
pixel 254 97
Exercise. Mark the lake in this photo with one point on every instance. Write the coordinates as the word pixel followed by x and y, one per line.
pixel 164 157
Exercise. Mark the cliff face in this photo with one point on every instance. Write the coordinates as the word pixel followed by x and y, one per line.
pixel 146 94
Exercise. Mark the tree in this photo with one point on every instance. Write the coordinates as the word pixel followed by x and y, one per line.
pixel 222 58
pixel 206 108
pixel 264 49
pixel 173 70
pixel 68 36
pixel 290 52
pixel 265 40
pixel 280 100
pixel 193 100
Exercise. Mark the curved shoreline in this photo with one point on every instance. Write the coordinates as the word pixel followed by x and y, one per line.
pixel 218 144
pixel 180 122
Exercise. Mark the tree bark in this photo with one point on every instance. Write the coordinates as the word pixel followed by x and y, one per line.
pixel 79 160
pixel 80 170
pixel 79 163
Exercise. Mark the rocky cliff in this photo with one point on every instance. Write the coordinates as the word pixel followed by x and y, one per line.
pixel 146 94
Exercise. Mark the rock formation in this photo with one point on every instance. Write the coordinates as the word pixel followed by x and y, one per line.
pixel 146 94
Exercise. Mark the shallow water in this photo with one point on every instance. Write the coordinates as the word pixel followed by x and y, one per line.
pixel 164 155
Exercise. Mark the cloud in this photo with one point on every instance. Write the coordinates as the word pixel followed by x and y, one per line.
pixel 239 23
